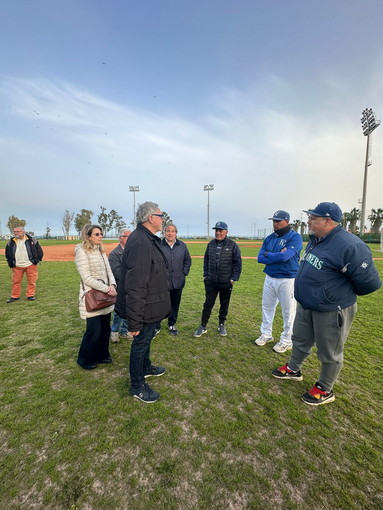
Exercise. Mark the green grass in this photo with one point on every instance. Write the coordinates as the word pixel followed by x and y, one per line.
pixel 224 434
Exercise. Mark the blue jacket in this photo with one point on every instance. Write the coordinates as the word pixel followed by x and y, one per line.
pixel 178 262
pixel 281 264
pixel 333 271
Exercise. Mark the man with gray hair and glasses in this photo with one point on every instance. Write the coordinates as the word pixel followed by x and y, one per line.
pixel 119 326
pixel 143 296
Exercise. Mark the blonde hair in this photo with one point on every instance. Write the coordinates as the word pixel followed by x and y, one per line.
pixel 87 242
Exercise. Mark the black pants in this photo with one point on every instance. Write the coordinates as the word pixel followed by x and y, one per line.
pixel 212 289
pixel 140 355
pixel 175 300
pixel 95 342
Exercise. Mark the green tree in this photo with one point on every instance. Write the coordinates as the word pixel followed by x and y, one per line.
pixel 82 218
pixel 110 221
pixel 67 222
pixel 166 221
pixel 352 219
pixel 376 219
pixel 14 221
pixel 47 234
pixel 295 225
pixel 103 219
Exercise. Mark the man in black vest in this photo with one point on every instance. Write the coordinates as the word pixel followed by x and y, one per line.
pixel 221 268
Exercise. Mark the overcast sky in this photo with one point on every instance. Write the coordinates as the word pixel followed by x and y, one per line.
pixel 261 98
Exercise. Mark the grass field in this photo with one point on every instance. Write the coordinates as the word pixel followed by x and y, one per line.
pixel 225 434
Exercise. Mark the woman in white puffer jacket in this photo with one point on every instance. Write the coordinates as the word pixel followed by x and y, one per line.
pixel 93 266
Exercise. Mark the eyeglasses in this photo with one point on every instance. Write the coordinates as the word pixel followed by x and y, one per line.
pixel 159 215
pixel 97 234
pixel 316 218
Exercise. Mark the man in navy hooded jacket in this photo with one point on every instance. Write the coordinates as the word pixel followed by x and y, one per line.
pixel 336 267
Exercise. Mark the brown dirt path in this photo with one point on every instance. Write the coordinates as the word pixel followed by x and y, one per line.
pixel 64 252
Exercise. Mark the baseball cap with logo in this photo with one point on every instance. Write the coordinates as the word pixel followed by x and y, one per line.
pixel 327 210
pixel 221 225
pixel 280 215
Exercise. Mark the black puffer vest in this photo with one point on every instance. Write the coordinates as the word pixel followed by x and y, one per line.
pixel 221 272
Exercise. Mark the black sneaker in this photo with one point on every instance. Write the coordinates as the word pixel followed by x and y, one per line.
pixel 12 299
pixel 173 330
pixel 154 372
pixel 285 373
pixel 200 331
pixel 156 332
pixel 317 396
pixel 145 394
pixel 222 330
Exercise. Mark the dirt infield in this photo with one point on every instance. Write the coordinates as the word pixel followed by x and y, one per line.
pixel 65 252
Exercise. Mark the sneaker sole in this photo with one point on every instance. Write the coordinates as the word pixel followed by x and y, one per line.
pixel 145 401
pixel 264 343
pixel 289 378
pixel 288 348
pixel 197 336
pixel 327 401
pixel 153 375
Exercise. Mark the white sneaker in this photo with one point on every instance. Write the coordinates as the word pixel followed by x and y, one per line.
pixel 263 339
pixel 114 337
pixel 282 347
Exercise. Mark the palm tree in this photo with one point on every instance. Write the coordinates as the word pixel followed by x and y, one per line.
pixel 295 225
pixel 376 219
pixel 353 217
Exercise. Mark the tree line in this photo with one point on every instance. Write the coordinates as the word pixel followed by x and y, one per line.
pixel 108 221
pixel 350 221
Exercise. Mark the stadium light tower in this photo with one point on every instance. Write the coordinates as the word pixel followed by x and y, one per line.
pixel 369 123
pixel 134 189
pixel 208 188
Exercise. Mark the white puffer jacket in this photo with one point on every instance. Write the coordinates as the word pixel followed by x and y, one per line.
pixel 95 273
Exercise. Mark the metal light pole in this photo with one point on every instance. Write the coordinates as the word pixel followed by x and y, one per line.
pixel 208 188
pixel 134 189
pixel 369 123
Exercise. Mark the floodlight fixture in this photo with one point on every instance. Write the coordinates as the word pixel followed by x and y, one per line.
pixel 369 124
pixel 208 188
pixel 134 190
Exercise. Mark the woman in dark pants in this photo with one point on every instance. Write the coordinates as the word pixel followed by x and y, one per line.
pixel 93 266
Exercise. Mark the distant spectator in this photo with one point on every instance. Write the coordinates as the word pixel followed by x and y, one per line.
pixel 93 266
pixel 23 254
pixel 119 326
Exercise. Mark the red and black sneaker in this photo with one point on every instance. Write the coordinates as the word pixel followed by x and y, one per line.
pixel 317 396
pixel 286 373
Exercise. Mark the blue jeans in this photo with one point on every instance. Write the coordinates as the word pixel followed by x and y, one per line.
pixel 119 325
pixel 139 355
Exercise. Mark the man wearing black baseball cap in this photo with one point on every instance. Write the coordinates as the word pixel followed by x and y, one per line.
pixel 221 268
pixel 336 267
